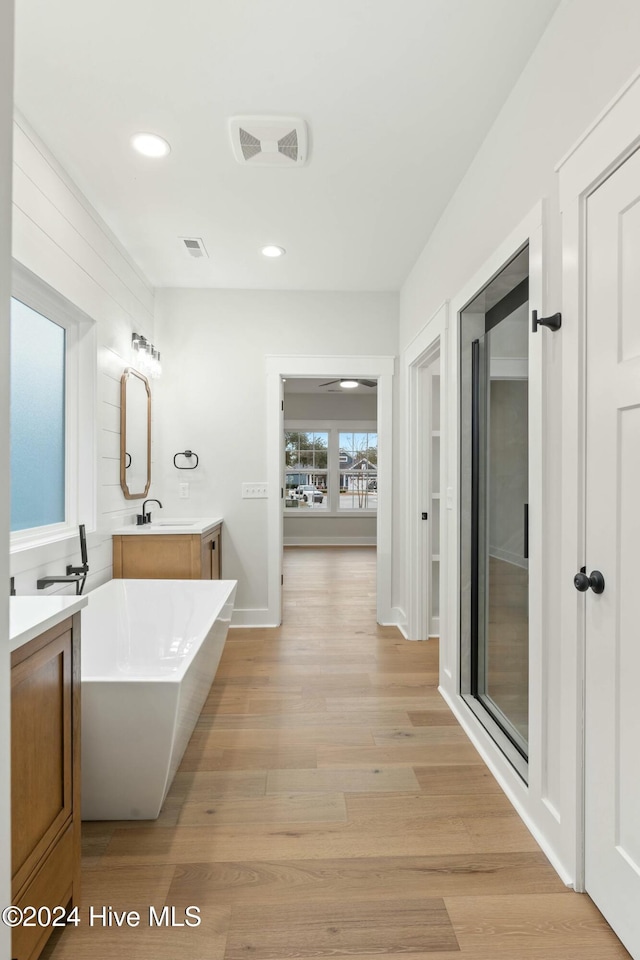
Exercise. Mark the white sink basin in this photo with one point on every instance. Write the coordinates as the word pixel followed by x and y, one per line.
pixel 191 525
pixel 174 523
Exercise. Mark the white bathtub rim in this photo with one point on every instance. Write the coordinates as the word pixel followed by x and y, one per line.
pixel 176 676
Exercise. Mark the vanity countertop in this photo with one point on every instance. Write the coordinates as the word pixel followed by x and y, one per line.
pixel 31 616
pixel 162 525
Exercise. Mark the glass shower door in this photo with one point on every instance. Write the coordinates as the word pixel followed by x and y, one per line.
pixel 499 520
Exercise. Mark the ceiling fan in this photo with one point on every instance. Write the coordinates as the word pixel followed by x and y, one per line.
pixel 350 382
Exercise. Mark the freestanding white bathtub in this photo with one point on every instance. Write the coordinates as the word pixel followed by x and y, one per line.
pixel 150 650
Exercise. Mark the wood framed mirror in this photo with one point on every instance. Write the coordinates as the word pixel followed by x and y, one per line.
pixel 135 434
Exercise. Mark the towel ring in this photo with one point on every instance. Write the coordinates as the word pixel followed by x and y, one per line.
pixel 188 454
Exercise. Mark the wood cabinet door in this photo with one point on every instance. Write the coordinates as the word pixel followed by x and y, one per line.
pixel 41 752
pixel 157 557
pixel 211 555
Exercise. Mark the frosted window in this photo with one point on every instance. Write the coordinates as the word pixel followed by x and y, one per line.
pixel 37 419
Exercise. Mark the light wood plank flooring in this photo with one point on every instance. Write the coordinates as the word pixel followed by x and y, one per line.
pixel 329 805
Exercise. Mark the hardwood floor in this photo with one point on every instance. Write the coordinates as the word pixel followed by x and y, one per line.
pixel 328 805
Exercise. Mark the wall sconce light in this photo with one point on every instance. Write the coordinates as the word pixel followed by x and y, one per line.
pixel 145 356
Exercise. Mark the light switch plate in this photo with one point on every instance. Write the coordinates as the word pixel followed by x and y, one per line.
pixel 255 491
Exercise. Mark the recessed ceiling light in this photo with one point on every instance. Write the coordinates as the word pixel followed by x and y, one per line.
pixel 272 251
pixel 348 384
pixel 150 145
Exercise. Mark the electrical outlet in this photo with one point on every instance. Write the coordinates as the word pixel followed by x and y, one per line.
pixel 255 491
pixel 183 491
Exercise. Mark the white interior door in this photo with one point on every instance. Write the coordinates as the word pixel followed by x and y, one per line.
pixel 612 719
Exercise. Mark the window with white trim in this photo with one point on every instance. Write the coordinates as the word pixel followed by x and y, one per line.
pixel 358 457
pixel 52 373
pixel 306 469
pixel 38 421
pixel 331 469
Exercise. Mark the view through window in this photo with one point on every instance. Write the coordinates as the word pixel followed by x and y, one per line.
pixel 358 454
pixel 331 470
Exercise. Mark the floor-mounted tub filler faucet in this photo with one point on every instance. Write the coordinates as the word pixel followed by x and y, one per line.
pixel 145 517
pixel 77 575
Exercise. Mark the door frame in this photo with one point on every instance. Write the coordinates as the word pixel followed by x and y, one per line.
pixel 374 368
pixel 531 799
pixel 429 345
pixel 608 142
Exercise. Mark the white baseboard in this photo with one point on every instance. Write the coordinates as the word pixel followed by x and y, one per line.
pixel 396 618
pixel 491 755
pixel 251 618
pixel 329 541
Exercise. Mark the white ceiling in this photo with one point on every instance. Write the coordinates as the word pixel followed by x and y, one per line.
pixel 397 95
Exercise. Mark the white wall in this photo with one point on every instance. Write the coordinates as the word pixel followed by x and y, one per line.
pixel 323 407
pixel 61 238
pixel 220 339
pixel 6 109
pixel 588 52
pixel 331 406
pixel 328 531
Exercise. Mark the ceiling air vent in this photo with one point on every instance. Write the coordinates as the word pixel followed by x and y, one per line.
pixel 269 141
pixel 194 246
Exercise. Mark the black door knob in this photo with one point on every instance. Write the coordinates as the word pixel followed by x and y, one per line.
pixel 582 582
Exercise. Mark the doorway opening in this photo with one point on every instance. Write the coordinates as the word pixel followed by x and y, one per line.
pixel 494 507
pixel 426 480
pixel 432 450
pixel 330 453
pixel 330 443
pixel 349 500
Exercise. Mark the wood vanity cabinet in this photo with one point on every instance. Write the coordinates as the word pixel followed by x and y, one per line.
pixel 210 554
pixel 45 778
pixel 167 556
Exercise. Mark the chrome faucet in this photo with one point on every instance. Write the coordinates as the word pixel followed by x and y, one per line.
pixel 145 517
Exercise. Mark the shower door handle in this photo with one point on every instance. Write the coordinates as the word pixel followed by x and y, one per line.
pixel 526 531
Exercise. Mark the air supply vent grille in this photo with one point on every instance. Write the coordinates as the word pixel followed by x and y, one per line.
pixel 269 141
pixel 194 247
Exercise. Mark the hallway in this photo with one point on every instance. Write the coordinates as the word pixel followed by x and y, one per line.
pixel 328 804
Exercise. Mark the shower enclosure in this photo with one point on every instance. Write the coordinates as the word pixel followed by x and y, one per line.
pixel 494 576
